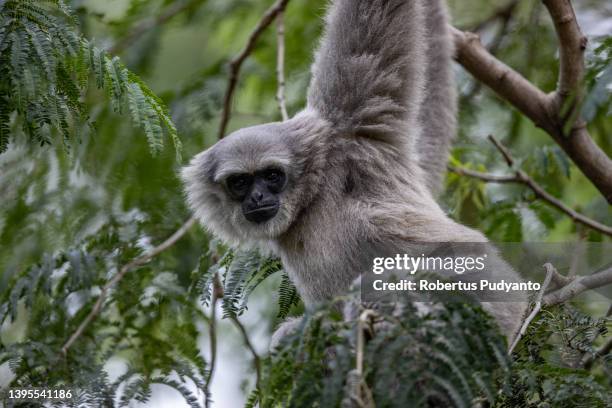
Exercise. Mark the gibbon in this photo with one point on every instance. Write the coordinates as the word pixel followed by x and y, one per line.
pixel 360 165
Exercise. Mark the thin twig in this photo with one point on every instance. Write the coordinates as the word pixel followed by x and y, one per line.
pixel 491 178
pixel 503 150
pixel 579 285
pixel 573 214
pixel 536 308
pixel 140 29
pixel 249 345
pixel 503 13
pixel 280 65
pixel 139 261
pixel 544 195
pixel 520 177
pixel 364 320
pixel 236 63
pixel 217 294
pixel 361 393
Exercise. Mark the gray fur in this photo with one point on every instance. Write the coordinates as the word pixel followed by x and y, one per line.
pixel 354 175
pixel 439 109
pixel 367 77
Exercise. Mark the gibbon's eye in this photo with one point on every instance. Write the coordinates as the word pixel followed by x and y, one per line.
pixel 239 184
pixel 274 178
pixel 273 175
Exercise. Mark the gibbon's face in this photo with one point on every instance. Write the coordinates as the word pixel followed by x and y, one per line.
pixel 244 187
pixel 258 192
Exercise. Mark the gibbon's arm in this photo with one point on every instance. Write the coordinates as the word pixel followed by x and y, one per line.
pixel 438 112
pixel 368 74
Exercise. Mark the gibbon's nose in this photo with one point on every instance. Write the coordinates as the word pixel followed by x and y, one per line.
pixel 257 196
pixel 260 206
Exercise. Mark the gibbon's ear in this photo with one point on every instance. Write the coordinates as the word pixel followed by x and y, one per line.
pixel 369 71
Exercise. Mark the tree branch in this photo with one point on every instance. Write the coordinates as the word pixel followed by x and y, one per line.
pixel 236 62
pixel 217 294
pixel 558 279
pixel 502 79
pixel 573 214
pixel 579 285
pixel 360 393
pixel 572 44
pixel 503 150
pixel 139 261
pixel 249 345
pixel 520 177
pixel 167 14
pixel 548 112
pixel 573 287
pixel 490 178
pixel 280 65
pixel 503 13
pixel 536 308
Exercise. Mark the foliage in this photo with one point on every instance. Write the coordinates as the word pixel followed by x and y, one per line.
pixel 451 356
pixel 242 276
pixel 48 66
pixel 547 369
pixel 240 273
pixel 151 324
pixel 598 80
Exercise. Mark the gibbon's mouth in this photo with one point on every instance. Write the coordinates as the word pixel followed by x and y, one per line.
pixel 261 214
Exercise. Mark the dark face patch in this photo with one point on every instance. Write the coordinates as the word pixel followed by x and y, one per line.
pixel 258 192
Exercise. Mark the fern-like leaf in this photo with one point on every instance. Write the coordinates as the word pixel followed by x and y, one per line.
pixel 287 297
pixel 45 67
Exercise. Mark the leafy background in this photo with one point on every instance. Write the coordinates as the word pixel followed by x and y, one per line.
pixel 92 145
